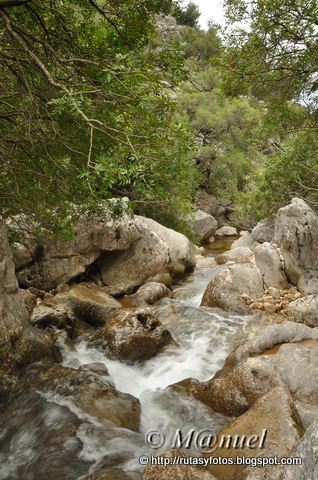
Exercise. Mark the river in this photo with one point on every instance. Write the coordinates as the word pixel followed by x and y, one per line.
pixel 204 337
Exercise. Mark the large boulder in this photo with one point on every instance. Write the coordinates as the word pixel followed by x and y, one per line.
pixel 263 232
pixel 132 336
pixel 278 355
pixel 145 258
pixel 306 450
pixel 57 262
pixel 233 391
pixel 92 304
pixel 270 265
pixel 226 289
pixel 180 248
pixel 85 304
pixel 304 310
pixel 204 226
pixel 175 470
pixel 296 234
pixel 274 412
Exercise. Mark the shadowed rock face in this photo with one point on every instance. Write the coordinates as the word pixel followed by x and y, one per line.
pixel 58 262
pixel 20 343
pixel 296 233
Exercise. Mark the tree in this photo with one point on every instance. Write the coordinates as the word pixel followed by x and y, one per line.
pixel 188 15
pixel 86 111
pixel 226 128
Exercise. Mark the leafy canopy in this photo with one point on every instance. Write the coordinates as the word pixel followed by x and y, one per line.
pixel 87 111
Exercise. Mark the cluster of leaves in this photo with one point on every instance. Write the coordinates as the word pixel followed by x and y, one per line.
pixel 87 111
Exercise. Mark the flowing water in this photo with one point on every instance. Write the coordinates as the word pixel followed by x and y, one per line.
pixel 204 337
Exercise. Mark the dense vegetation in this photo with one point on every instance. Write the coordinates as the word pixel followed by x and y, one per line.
pixel 102 99
pixel 87 110
pixel 275 59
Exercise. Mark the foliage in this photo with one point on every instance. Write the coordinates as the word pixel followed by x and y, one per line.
pixel 275 58
pixel 226 128
pixel 188 15
pixel 86 111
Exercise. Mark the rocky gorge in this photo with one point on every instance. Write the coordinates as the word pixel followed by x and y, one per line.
pixel 129 327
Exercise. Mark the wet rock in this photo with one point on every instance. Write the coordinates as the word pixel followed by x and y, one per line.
pixel 91 304
pixel 35 345
pixel 307 450
pixel 48 317
pixel 274 412
pixel 109 474
pixel 304 310
pixel 96 367
pixel 269 263
pixel 94 395
pixel 226 231
pixel 132 336
pixel 176 472
pixel 263 232
pixel 75 309
pixel 132 267
pixel 204 226
pixel 151 292
pixel 234 391
pixel 226 289
pixel 180 248
pixel 296 233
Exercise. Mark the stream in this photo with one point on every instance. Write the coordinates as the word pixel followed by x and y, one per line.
pixel 204 336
